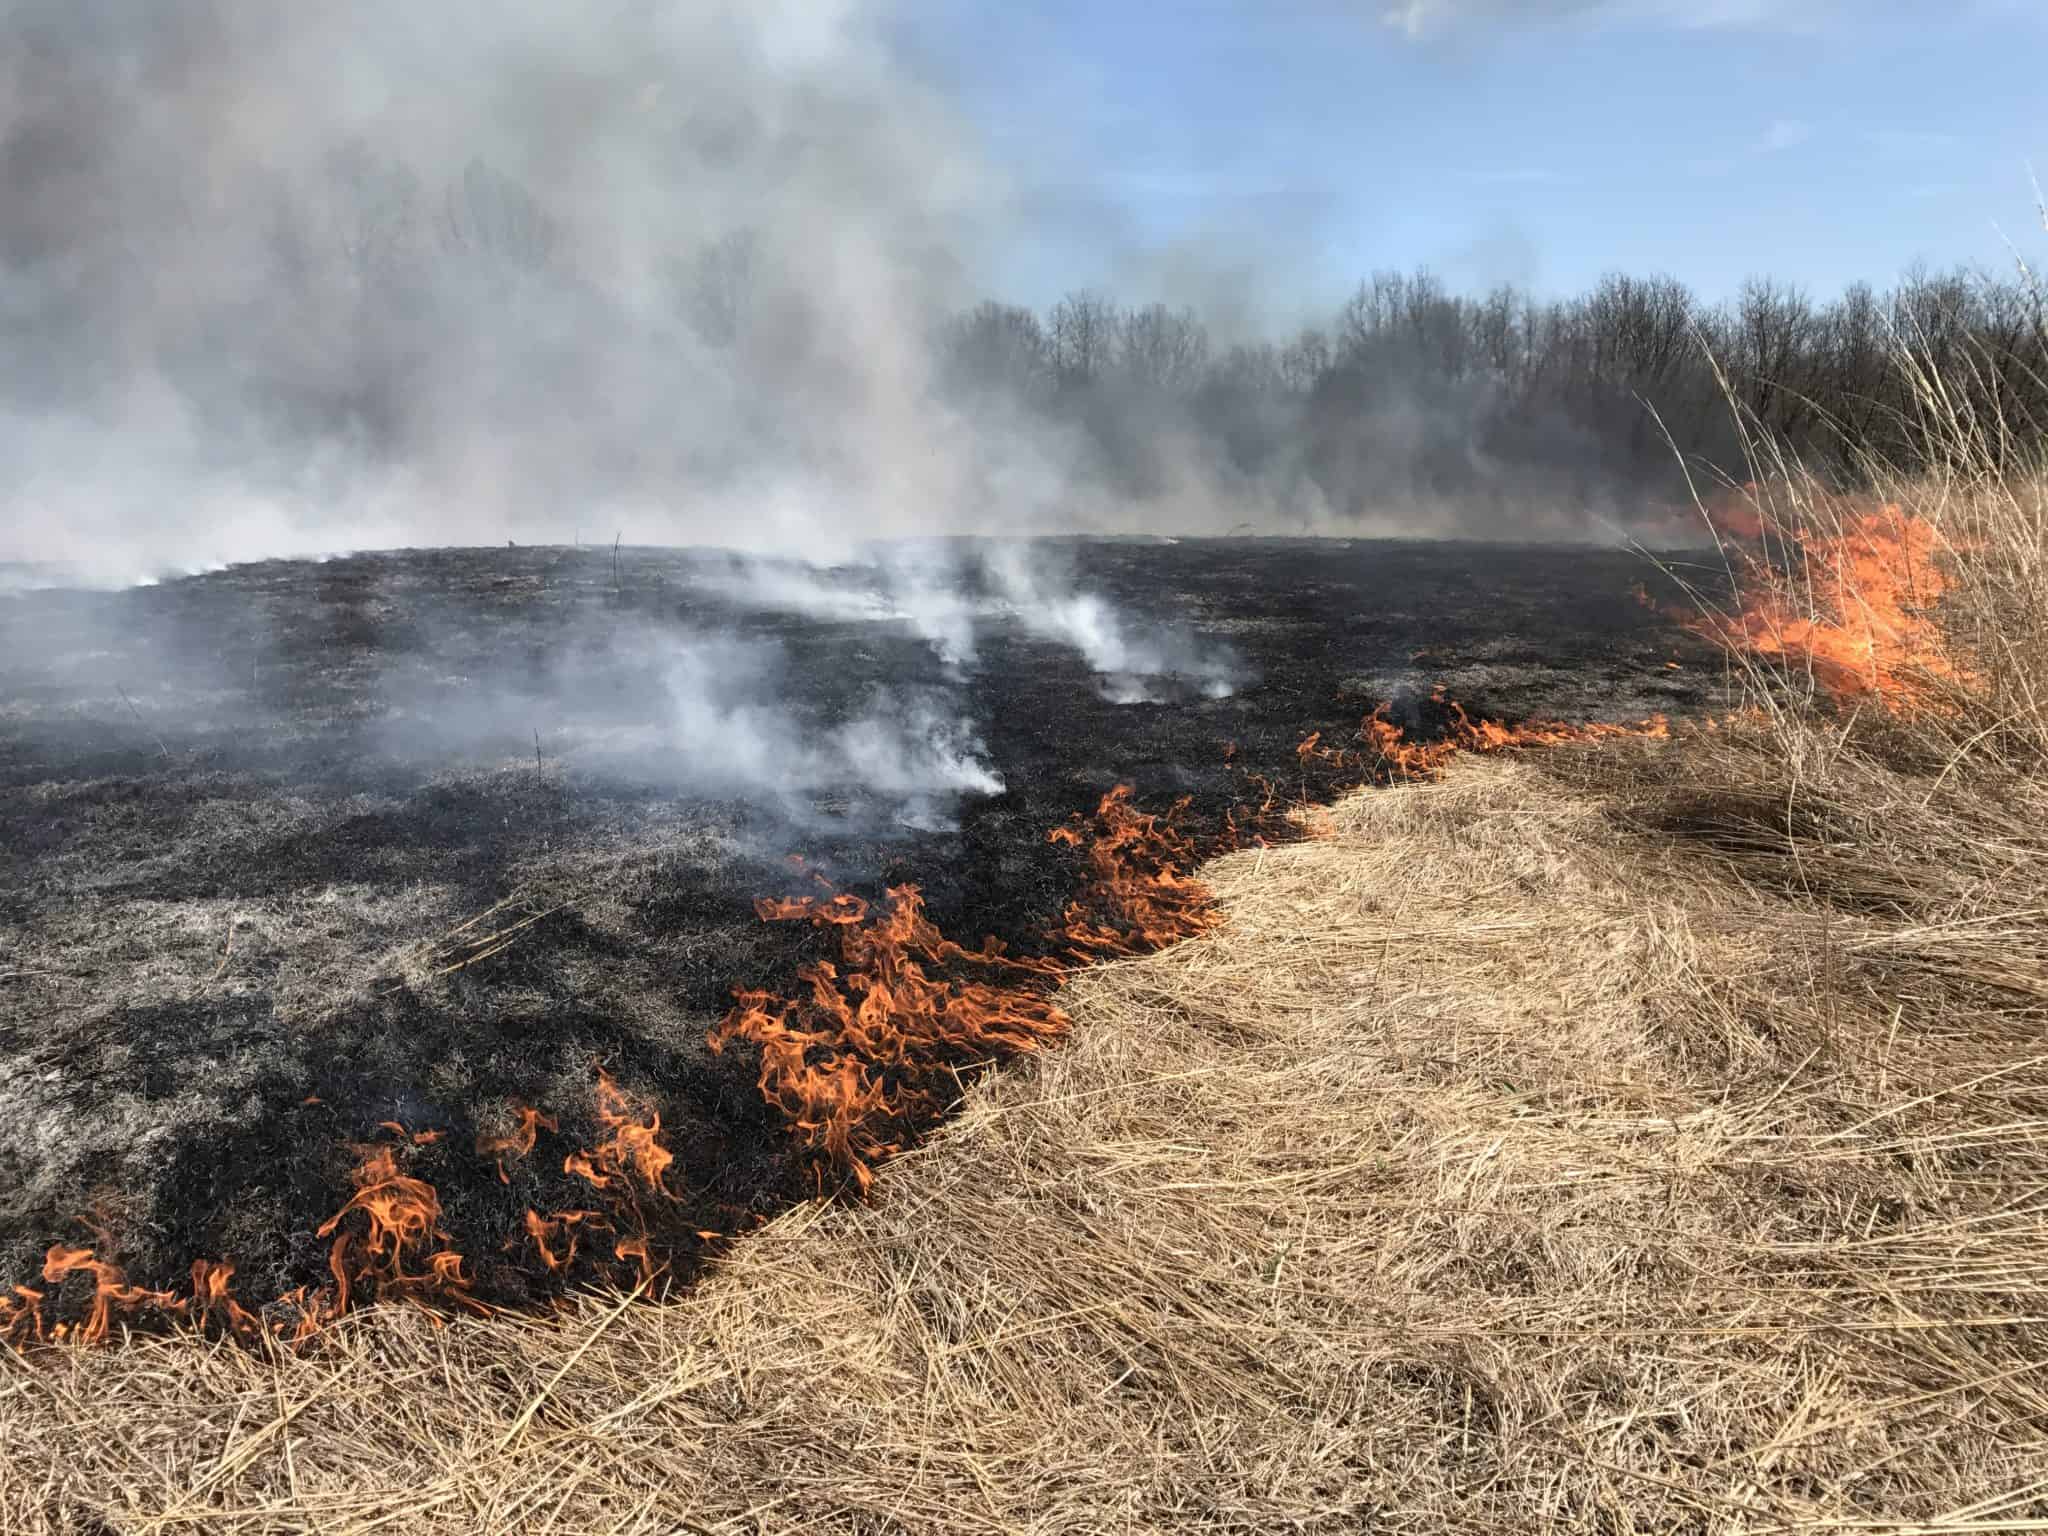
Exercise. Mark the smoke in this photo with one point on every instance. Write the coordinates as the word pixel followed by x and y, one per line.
pixel 948 596
pixel 277 279
pixel 1132 659
pixel 691 711
pixel 722 737
pixel 912 583
pixel 283 280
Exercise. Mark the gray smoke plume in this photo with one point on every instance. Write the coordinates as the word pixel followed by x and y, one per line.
pixel 284 278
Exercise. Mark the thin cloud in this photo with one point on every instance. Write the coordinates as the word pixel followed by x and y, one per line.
pixel 1517 176
pixel 1786 133
pixel 1421 19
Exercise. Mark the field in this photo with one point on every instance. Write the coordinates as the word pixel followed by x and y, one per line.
pixel 249 814
pixel 1614 1133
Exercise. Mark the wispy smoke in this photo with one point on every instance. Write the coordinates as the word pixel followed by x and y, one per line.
pixel 698 712
pixel 1132 658
pixel 724 737
pixel 910 583
pixel 947 597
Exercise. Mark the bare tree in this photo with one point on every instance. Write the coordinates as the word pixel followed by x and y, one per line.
pixel 491 216
pixel 999 347
pixel 1082 330
pixel 1160 349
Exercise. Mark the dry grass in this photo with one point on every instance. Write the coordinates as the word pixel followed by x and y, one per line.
pixel 1523 1154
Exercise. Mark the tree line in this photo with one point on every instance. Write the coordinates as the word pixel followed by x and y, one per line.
pixel 1412 389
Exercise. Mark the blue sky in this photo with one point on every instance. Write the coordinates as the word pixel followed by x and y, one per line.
pixel 1261 157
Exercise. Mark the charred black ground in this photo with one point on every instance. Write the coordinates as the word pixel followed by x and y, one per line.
pixel 241 809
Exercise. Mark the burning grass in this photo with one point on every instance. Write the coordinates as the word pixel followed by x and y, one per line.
pixel 1504 1160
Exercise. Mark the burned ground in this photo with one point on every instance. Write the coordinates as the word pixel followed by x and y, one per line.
pixel 244 814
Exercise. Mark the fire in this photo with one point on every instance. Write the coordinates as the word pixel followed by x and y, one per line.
pixel 871 1051
pixel 400 1249
pixel 1853 606
pixel 858 1060
pixel 630 1166
pixel 21 1316
pixel 872 1048
pixel 555 1238
pixel 520 1143
pixel 1136 881
pixel 211 1298
pixel 1385 749
pixel 112 1297
pixel 1734 511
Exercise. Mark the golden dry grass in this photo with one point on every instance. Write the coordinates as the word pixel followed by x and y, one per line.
pixel 1522 1155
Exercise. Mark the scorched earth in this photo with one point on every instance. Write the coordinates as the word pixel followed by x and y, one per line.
pixel 362 922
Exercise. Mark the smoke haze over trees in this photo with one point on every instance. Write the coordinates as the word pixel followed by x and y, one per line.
pixel 1500 413
pixel 281 279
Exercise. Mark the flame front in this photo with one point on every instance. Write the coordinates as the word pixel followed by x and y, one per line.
pixel 867 1052
pixel 1853 605
pixel 1384 749
pixel 860 1058
pixel 1138 896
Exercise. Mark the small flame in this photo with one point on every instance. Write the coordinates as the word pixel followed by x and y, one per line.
pixel 211 1298
pixel 112 1297
pixel 630 1166
pixel 399 1250
pixel 520 1143
pixel 1387 751
pixel 555 1237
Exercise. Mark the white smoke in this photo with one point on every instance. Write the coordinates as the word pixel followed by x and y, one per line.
pixel 728 735
pixel 945 596
pixel 1132 658
pixel 909 584
pixel 286 280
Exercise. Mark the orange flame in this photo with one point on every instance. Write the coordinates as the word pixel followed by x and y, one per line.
pixel 112 1297
pixel 630 1165
pixel 399 1251
pixel 21 1316
pixel 555 1238
pixel 871 1048
pixel 1135 879
pixel 1388 751
pixel 211 1298
pixel 520 1143
pixel 1854 607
